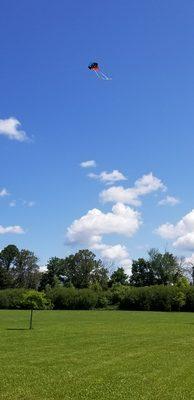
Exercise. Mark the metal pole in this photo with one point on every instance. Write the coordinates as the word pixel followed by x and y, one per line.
pixel 31 314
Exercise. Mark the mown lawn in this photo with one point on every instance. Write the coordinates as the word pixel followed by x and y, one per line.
pixel 96 355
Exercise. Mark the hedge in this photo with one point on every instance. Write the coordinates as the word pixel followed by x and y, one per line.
pixel 153 298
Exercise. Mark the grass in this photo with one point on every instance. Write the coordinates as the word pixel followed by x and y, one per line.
pixel 96 355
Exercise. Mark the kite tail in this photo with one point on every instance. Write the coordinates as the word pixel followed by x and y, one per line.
pixel 97 73
pixel 104 76
pixel 101 75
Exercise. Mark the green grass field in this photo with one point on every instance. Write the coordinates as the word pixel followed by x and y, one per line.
pixel 96 355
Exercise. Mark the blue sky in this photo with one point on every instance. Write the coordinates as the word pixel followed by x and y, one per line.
pixel 140 122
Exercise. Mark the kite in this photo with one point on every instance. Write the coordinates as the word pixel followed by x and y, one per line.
pixel 95 67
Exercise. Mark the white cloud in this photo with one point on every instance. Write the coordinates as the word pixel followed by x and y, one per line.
pixel 16 229
pixel 88 164
pixel 169 200
pixel 4 192
pixel 145 185
pixel 185 242
pixel 181 233
pixel 10 128
pixel 43 268
pixel 91 227
pixel 109 177
pixel 116 254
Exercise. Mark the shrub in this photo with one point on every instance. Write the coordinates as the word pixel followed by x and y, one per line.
pixel 74 299
pixel 117 293
pixel 189 303
pixel 63 298
pixel 154 298
pixel 86 299
pixel 11 298
pixel 102 299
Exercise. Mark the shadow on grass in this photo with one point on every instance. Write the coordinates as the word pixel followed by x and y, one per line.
pixel 17 329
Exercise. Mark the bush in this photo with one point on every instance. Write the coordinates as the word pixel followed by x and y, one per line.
pixel 86 299
pixel 153 298
pixel 11 298
pixel 102 299
pixel 117 293
pixel 189 303
pixel 73 299
pixel 63 298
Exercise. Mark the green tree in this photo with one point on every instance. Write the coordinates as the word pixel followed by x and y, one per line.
pixel 6 278
pixel 26 272
pixel 55 270
pixel 119 276
pixel 82 269
pixel 99 275
pixel 33 300
pixel 142 273
pixel 166 267
pixel 159 269
pixel 8 258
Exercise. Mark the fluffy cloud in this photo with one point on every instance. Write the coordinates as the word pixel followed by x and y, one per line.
pixel 169 200
pixel 16 229
pixel 109 177
pixel 3 192
pixel 11 129
pixel 88 164
pixel 181 233
pixel 145 185
pixel 91 227
pixel 116 254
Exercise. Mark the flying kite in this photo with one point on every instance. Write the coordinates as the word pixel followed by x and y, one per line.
pixel 95 67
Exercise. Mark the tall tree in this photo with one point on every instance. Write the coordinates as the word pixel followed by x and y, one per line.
pixel 166 267
pixel 159 269
pixel 119 276
pixel 55 270
pixel 26 270
pixel 142 273
pixel 82 269
pixel 8 256
pixel 99 275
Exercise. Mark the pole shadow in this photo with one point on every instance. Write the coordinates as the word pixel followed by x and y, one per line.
pixel 17 329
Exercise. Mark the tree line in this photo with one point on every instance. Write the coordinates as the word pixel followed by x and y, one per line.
pixel 20 269
pixel 81 281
